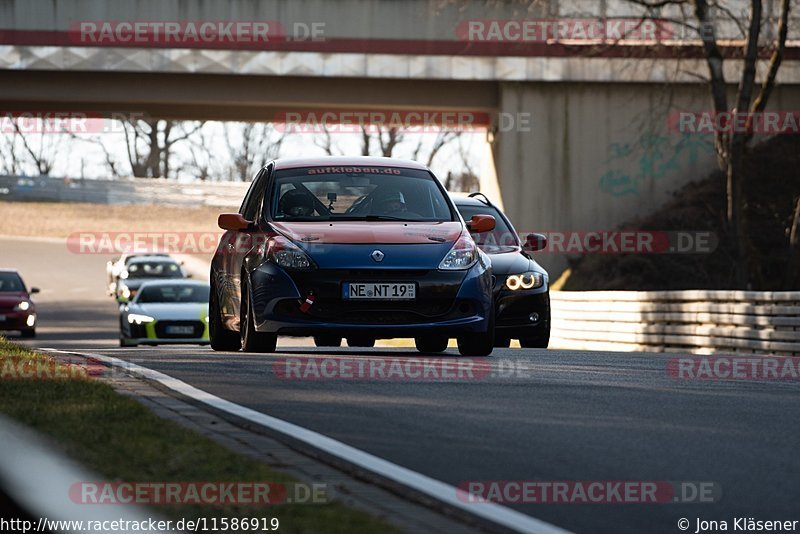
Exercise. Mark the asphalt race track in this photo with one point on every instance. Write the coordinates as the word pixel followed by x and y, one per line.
pixel 546 415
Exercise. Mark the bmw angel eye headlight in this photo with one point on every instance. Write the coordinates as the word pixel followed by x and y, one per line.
pixel 23 306
pixel 530 280
pixel 286 254
pixel 139 318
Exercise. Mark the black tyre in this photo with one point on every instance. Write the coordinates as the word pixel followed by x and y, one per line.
pixel 253 341
pixel 220 338
pixel 480 344
pixel 327 341
pixel 360 341
pixel 29 332
pixel 535 342
pixel 540 341
pixel 431 343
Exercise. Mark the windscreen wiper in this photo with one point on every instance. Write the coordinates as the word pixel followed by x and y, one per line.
pixel 385 218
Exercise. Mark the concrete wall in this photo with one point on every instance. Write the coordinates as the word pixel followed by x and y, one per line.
pixel 377 19
pixel 597 155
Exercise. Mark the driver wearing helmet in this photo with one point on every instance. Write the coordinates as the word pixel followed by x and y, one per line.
pixel 297 203
pixel 391 203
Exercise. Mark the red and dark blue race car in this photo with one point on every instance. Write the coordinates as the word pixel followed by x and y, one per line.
pixel 358 248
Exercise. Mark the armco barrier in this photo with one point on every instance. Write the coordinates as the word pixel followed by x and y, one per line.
pixel 123 191
pixel 695 321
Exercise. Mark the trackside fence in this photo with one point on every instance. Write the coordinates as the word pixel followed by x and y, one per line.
pixel 697 321
pixel 123 191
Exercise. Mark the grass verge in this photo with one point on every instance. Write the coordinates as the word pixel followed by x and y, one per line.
pixel 122 440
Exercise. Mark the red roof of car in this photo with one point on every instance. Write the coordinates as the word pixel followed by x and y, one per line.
pixel 359 161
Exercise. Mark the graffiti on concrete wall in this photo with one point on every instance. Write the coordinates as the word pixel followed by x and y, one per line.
pixel 634 166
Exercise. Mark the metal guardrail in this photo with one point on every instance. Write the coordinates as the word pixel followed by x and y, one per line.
pixel 123 191
pixel 699 322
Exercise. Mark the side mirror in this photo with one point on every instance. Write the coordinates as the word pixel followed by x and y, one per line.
pixel 535 242
pixel 34 290
pixel 189 275
pixel 479 224
pixel 233 221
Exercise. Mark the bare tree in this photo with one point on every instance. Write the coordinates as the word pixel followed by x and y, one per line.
pixel 39 152
pixel 260 142
pixel 8 155
pixel 150 144
pixel 732 147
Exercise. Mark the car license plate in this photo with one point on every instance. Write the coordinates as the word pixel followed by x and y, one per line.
pixel 379 291
pixel 2 317
pixel 179 330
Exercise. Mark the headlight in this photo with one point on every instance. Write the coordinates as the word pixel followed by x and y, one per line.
pixel 462 256
pixel 139 318
pixel 286 254
pixel 23 306
pixel 529 280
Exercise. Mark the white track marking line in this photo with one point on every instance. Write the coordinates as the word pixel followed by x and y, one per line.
pixel 435 489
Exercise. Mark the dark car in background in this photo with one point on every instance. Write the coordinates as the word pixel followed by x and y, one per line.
pixel 17 310
pixel 143 268
pixel 361 248
pixel 521 287
pixel 115 268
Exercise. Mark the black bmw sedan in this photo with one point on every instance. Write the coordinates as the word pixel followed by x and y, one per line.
pixel 521 286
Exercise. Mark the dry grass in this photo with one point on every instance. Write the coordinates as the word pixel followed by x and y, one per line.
pixel 51 219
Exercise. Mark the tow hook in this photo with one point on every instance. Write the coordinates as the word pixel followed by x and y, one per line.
pixel 305 306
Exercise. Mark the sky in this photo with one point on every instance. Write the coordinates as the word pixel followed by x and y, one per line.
pixel 81 155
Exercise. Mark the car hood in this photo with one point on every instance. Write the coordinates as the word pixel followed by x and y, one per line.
pixel 12 298
pixel 175 311
pixel 372 232
pixel 512 263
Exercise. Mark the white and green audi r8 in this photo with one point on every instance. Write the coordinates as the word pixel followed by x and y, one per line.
pixel 165 311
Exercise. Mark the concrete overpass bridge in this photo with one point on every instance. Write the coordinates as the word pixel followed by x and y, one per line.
pixel 594 149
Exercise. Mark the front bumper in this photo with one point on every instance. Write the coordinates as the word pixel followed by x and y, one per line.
pixel 18 320
pixel 157 332
pixel 448 303
pixel 513 311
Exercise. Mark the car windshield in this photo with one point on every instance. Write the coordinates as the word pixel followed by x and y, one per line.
pixel 176 293
pixel 501 239
pixel 11 283
pixel 154 269
pixel 358 193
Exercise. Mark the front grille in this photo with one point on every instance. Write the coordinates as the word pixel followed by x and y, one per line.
pixel 197 329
